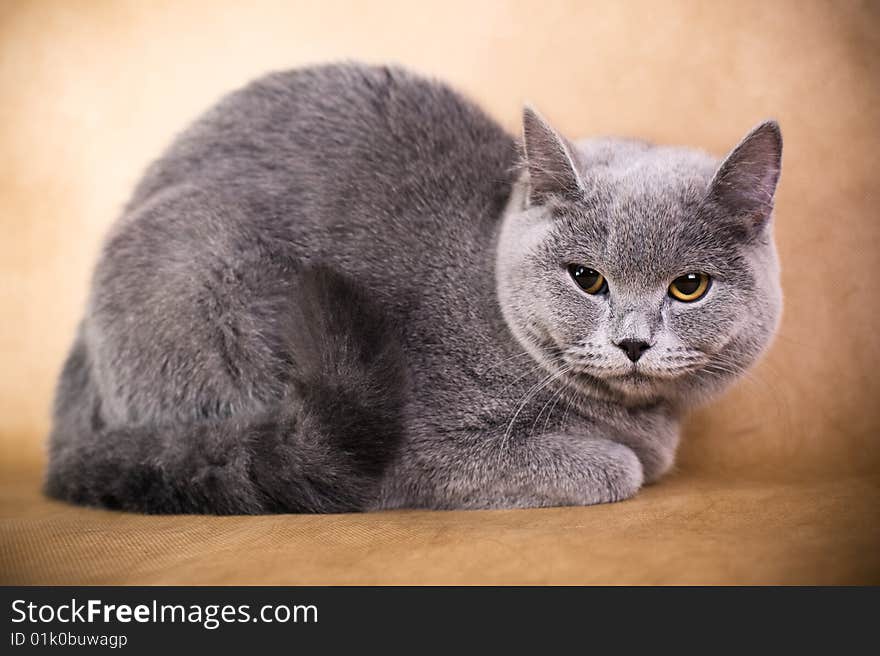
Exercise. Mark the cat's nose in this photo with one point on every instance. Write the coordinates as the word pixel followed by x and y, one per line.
pixel 633 348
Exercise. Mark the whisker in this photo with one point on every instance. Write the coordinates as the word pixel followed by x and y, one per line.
pixel 562 372
pixel 531 370
pixel 518 356
pixel 560 394
pixel 535 389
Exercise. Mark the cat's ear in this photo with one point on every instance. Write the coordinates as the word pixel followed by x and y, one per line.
pixel 745 183
pixel 550 160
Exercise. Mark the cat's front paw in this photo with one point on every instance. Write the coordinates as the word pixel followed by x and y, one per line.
pixel 603 471
pixel 618 473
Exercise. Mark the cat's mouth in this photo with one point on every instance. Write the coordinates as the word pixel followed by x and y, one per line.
pixel 633 384
pixel 615 378
pixel 637 384
pixel 641 379
pixel 633 373
pixel 634 381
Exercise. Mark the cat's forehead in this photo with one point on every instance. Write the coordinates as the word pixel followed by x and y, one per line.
pixel 643 210
pixel 621 153
pixel 638 171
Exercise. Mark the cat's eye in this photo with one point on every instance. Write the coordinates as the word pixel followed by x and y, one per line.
pixel 590 280
pixel 689 287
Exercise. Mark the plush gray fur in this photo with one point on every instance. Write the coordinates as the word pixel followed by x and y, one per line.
pixel 347 288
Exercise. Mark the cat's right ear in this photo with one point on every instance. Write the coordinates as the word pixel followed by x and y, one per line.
pixel 745 183
pixel 550 161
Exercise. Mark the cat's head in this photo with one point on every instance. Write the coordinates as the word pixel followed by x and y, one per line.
pixel 642 272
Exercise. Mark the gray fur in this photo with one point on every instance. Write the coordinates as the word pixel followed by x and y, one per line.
pixel 346 288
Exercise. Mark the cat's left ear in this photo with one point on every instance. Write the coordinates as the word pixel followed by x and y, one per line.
pixel 745 183
pixel 550 160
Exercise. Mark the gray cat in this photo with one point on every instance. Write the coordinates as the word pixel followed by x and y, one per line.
pixel 346 288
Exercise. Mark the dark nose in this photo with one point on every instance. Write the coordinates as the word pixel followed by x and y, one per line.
pixel 633 348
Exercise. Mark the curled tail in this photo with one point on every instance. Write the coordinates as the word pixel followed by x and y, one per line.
pixel 324 448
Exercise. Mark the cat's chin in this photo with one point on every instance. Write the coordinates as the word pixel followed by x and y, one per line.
pixel 638 386
pixel 635 383
pixel 633 387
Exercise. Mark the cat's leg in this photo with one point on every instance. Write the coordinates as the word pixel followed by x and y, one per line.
pixel 653 435
pixel 656 452
pixel 555 469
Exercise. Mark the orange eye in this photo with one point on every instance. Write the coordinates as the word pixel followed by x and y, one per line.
pixel 590 280
pixel 689 287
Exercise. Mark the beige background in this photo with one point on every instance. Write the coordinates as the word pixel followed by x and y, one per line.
pixel 90 92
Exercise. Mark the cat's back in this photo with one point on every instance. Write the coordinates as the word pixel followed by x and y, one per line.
pixel 369 171
pixel 342 134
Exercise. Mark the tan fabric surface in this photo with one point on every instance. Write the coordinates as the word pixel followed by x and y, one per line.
pixel 688 530
pixel 778 480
